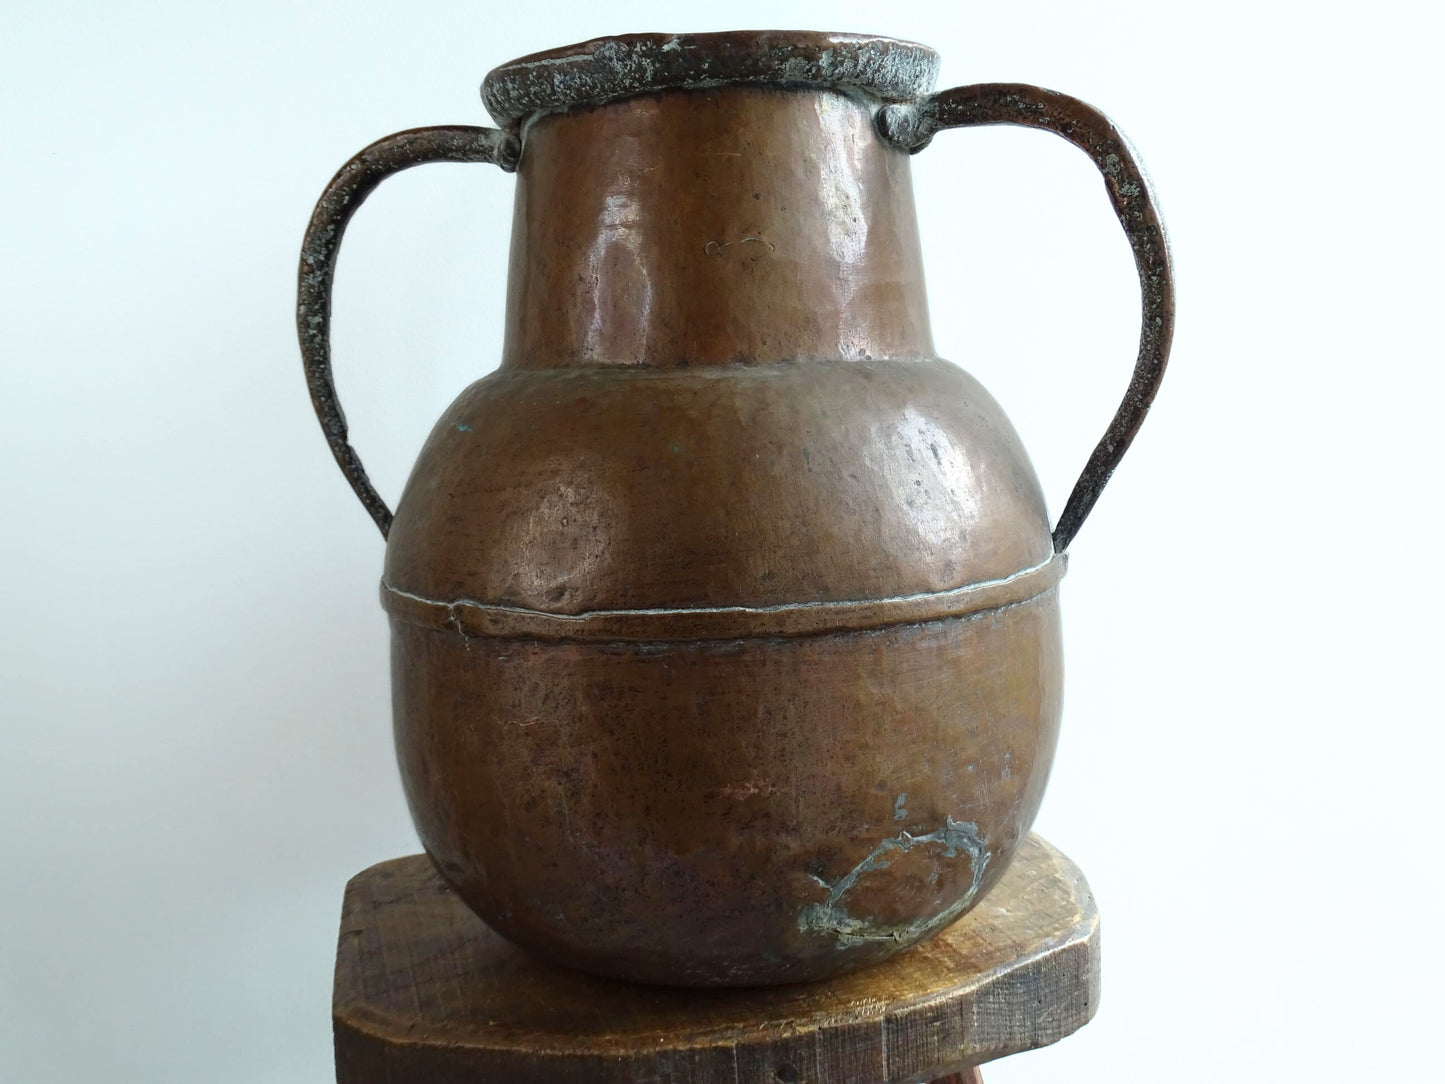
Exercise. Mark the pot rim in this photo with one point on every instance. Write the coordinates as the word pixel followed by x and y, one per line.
pixel 612 68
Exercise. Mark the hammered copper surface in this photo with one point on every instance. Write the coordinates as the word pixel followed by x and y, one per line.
pixel 737 225
pixel 739 812
pixel 726 644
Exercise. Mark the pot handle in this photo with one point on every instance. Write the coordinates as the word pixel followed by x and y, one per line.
pixel 910 126
pixel 352 184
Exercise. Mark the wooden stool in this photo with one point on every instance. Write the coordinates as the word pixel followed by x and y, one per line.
pixel 426 993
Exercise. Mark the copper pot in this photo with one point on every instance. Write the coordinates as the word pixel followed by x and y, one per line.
pixel 724 614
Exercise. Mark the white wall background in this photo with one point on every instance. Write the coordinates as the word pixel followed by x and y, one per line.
pixel 194 719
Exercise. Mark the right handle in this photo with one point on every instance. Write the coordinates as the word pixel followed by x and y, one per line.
pixel 912 125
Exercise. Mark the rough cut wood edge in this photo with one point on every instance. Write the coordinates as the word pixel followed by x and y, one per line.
pixel 426 992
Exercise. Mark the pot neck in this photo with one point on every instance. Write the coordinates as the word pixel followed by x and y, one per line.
pixel 731 225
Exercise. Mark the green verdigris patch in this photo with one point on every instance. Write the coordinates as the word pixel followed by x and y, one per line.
pixel 832 915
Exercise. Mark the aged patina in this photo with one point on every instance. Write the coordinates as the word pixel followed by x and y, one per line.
pixel 725 624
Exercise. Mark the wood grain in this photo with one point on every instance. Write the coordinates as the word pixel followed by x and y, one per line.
pixel 425 991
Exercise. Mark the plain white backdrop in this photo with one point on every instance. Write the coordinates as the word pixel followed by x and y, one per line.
pixel 195 748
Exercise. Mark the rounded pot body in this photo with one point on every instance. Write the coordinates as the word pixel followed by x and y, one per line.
pixel 736 709
pixel 725 629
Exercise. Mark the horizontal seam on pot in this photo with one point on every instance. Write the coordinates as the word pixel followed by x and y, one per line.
pixel 473 618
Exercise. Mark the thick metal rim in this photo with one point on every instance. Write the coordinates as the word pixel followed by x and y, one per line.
pixel 607 69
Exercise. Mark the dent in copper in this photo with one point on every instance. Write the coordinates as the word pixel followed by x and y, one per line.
pixel 737 812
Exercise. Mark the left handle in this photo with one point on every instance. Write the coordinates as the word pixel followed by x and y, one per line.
pixel 352 184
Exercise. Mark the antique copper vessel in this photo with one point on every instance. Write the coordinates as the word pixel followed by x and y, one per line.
pixel 724 613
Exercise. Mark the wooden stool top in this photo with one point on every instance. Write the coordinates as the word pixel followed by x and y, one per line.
pixel 427 992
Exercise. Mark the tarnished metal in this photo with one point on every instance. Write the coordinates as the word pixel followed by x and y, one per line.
pixel 725 624
pixel 352 184
pixel 606 69
pixel 913 125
